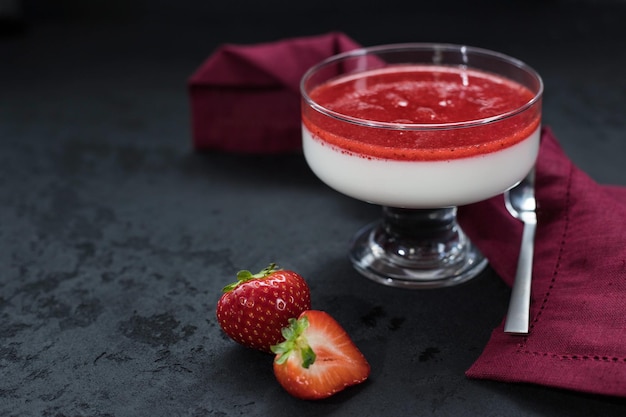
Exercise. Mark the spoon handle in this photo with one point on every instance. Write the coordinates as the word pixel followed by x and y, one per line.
pixel 517 319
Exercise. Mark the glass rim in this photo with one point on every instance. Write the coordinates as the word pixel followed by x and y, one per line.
pixel 441 47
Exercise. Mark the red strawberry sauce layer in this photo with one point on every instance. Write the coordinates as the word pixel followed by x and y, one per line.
pixel 425 95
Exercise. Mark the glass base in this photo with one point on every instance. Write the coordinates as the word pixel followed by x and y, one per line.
pixel 418 249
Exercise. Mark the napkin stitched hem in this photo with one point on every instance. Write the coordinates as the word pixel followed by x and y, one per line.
pixel 562 243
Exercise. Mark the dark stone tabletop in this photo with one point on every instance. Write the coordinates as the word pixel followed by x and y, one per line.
pixel 116 237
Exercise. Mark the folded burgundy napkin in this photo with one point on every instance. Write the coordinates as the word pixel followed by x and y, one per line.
pixel 577 338
pixel 245 98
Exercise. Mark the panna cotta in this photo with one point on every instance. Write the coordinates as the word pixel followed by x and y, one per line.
pixel 420 136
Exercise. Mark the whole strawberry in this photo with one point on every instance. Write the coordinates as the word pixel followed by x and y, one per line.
pixel 253 310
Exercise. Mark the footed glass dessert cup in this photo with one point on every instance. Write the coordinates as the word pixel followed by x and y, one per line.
pixel 420 129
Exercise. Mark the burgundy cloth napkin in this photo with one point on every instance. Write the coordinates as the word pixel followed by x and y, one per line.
pixel 577 339
pixel 245 98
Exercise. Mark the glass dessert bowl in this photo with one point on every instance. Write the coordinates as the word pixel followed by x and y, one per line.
pixel 420 129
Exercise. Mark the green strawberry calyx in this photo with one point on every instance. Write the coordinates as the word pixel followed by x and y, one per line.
pixel 245 276
pixel 295 341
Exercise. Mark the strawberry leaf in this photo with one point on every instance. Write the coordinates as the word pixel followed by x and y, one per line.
pixel 295 341
pixel 308 357
pixel 245 276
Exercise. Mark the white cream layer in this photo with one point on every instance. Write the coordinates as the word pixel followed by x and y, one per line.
pixel 420 184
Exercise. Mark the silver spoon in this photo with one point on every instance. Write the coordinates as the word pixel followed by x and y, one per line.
pixel 520 202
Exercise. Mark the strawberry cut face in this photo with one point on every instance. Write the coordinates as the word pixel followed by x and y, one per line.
pixel 318 358
pixel 253 310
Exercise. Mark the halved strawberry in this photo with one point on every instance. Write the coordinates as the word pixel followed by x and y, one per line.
pixel 317 358
pixel 253 310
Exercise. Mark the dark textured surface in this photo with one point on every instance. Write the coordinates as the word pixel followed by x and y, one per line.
pixel 115 238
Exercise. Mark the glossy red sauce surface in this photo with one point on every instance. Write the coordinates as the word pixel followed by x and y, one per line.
pixel 425 94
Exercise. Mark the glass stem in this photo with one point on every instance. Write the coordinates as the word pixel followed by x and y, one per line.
pixel 421 237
